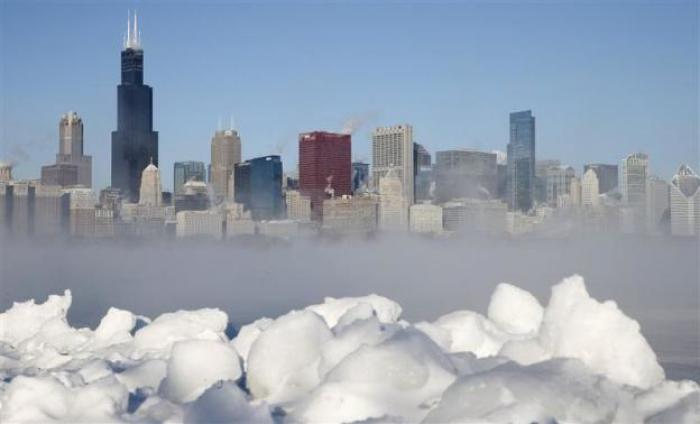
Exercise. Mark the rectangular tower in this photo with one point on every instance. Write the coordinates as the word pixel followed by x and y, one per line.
pixel 520 179
pixel 392 147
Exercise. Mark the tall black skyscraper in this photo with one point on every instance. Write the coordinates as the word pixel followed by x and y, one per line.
pixel 134 143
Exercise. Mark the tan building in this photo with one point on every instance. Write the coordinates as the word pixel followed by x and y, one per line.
pixel 298 206
pixel 48 211
pixel 225 153
pixel 392 147
pixel 425 218
pixel 350 215
pixel 151 192
pixel 393 205
pixel 590 196
pixel 82 212
pixel 204 224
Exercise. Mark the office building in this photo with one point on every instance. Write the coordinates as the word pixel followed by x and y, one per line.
pixel 393 205
pixel 657 206
pixel 225 153
pixel 350 215
pixel 520 179
pixel 324 168
pixel 475 216
pixel 50 214
pixel 258 187
pixel 196 197
pixel 360 176
pixel 150 190
pixel 60 174
pixel 633 183
pixel 425 218
pixel 70 151
pixel 134 143
pixel 392 147
pixel 590 197
pixel 187 171
pixel 465 173
pixel 298 206
pixel 82 212
pixel 607 176
pixel 685 203
pixel 199 224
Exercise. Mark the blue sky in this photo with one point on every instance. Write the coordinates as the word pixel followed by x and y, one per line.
pixel 603 78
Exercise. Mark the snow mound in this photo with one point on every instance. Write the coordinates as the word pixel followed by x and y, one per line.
pixel 345 360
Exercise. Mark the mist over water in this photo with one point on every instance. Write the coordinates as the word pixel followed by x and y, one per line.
pixel 653 280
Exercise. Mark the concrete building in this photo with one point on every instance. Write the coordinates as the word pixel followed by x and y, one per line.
pixel 348 215
pixel 657 206
pixel 607 176
pixel 199 224
pixel 475 216
pixel 238 221
pixel 324 168
pixel 82 212
pixel 393 205
pixel 62 175
pixel 50 212
pixel 633 182
pixel 104 223
pixel 225 153
pixel 558 183
pixel 590 197
pixel 392 147
pixel 685 203
pixel 575 192
pixel 150 190
pixel 520 179
pixel 465 173
pixel 425 218
pixel 186 171
pixel 298 206
pixel 70 150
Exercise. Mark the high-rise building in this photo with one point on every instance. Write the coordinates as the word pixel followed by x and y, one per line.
pixel 186 171
pixel 657 206
pixel 225 153
pixel 633 182
pixel 520 182
pixel 150 191
pixel 324 168
pixel 60 174
pixel 575 192
pixel 475 215
pixel 70 150
pixel 134 143
pixel 423 173
pixel 607 176
pixel 557 183
pixel 685 202
pixel 393 205
pixel 360 176
pixel 590 197
pixel 392 147
pixel 49 213
pixel 82 212
pixel 258 187
pixel 465 173
pixel 195 197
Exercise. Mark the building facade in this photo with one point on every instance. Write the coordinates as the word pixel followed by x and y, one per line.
pixel 393 205
pixel 350 215
pixel 607 176
pixel 685 203
pixel 392 147
pixel 520 180
pixel 70 150
pixel 634 171
pixel 186 171
pixel 258 187
pixel 425 218
pixel 324 168
pixel 150 190
pixel 590 196
pixel 225 153
pixel 298 206
pixel 465 173
pixel 134 143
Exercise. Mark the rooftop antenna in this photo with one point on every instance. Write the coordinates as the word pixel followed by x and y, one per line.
pixel 219 125
pixel 232 124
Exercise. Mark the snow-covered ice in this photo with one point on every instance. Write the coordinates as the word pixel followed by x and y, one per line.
pixel 575 359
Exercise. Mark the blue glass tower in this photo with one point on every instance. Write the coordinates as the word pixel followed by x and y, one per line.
pixel 520 183
pixel 258 186
pixel 134 143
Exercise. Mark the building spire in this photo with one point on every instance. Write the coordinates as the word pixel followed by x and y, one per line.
pixel 133 37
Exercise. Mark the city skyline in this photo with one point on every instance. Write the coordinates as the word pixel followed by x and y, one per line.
pixel 377 103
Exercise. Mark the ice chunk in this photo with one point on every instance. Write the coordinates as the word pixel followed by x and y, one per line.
pixel 247 335
pixel 283 361
pixel 515 310
pixel 195 365
pixel 25 319
pixel 468 331
pixel 226 403
pixel 202 324
pixel 332 310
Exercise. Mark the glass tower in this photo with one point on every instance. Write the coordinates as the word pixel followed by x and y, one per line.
pixel 134 143
pixel 258 186
pixel 520 182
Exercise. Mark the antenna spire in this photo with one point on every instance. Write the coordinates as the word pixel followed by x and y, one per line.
pixel 133 35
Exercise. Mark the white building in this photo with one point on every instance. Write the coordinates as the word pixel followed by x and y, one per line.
pixel 281 229
pixel 657 204
pixel 350 215
pixel 207 224
pixel 685 203
pixel 150 190
pixel 575 192
pixel 634 170
pixel 238 221
pixel 425 218
pixel 393 205
pixel 393 147
pixel 590 194
pixel 298 206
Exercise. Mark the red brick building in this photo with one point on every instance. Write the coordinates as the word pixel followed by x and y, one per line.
pixel 324 162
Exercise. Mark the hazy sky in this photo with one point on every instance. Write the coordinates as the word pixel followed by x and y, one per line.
pixel 603 78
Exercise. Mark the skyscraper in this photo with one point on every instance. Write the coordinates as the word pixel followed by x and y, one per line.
pixel 589 189
pixel 259 187
pixel 392 147
pixel 422 173
pixel 464 173
pixel 324 167
pixel 393 205
pixel 633 183
pixel 186 171
pixel 70 149
pixel 134 143
pixel 607 176
pixel 685 202
pixel 225 153
pixel 520 182
pixel 150 190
